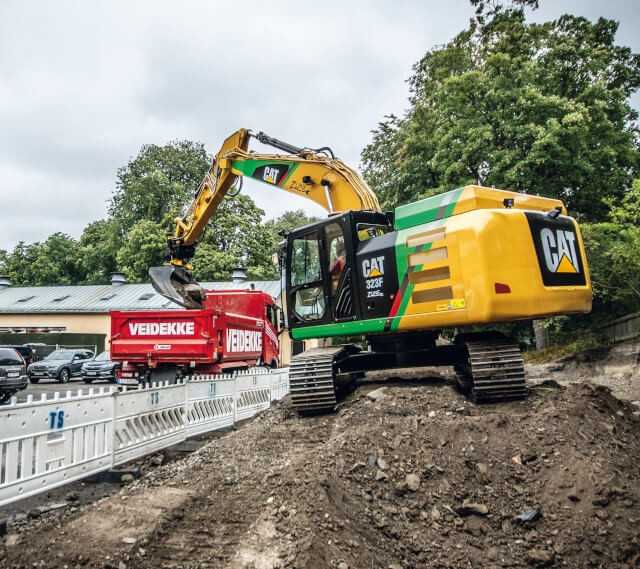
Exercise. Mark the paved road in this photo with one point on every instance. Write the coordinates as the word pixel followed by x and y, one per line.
pixel 50 386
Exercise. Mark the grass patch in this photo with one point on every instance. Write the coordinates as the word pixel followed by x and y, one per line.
pixel 554 353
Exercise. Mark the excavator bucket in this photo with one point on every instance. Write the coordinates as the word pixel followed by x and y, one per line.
pixel 177 284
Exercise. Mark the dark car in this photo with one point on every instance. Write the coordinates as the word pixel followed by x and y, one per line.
pixel 100 368
pixel 25 351
pixel 61 365
pixel 13 374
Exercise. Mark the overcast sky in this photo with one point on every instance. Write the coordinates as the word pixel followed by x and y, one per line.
pixel 84 84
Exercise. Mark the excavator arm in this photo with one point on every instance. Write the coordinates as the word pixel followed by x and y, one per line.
pixel 312 173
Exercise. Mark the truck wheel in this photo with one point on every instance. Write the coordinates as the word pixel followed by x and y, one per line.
pixel 64 376
pixel 5 397
pixel 34 379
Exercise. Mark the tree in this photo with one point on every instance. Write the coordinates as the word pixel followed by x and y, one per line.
pixel 538 108
pixel 628 210
pixel 52 262
pixel 157 183
pixel 99 246
pixel 236 232
pixel 143 247
pixel 211 264
pixel 613 251
pixel 289 221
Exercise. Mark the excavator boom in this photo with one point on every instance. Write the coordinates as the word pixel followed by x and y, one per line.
pixel 315 174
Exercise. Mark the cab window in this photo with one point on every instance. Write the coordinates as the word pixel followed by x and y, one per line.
pixel 306 278
pixel 305 260
pixel 337 259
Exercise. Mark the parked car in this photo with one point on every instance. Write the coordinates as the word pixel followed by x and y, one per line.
pixel 100 368
pixel 13 374
pixel 61 365
pixel 25 351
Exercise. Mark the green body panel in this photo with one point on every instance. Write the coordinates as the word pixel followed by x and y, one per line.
pixel 402 266
pixel 248 168
pixel 414 218
pixel 426 210
pixel 352 328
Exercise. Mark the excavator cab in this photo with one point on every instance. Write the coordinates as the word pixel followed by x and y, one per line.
pixel 325 281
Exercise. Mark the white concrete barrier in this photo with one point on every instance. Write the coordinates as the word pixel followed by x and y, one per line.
pixel 46 443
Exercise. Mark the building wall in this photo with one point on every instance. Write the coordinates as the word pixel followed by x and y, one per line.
pixel 79 323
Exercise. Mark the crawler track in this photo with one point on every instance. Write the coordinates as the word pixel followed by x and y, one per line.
pixel 311 380
pixel 494 370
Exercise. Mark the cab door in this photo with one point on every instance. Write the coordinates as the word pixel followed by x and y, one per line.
pixel 307 290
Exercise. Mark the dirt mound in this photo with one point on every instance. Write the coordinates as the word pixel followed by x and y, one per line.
pixel 402 476
pixel 616 366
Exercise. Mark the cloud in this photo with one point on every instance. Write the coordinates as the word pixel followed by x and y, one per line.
pixel 84 85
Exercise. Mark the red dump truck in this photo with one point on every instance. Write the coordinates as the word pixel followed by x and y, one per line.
pixel 236 329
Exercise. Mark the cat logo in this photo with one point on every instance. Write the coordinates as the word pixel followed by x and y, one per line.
pixel 270 175
pixel 559 249
pixel 373 267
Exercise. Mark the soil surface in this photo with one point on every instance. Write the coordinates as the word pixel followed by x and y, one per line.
pixel 617 367
pixel 405 474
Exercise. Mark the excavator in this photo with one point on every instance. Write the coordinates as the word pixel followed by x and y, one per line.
pixel 461 260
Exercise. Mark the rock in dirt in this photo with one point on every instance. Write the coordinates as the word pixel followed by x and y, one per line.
pixel 413 482
pixel 492 553
pixel 377 394
pixel 471 509
pixel 381 475
pixel 540 557
pixel 528 516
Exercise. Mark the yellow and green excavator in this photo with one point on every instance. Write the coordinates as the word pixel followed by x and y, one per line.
pixel 468 257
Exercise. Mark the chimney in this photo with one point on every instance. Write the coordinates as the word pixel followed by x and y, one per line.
pixel 5 282
pixel 239 275
pixel 118 279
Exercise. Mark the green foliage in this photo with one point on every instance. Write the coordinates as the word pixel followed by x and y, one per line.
pixel 54 261
pixel 236 232
pixel 143 247
pixel 99 246
pixel 157 183
pixel 289 221
pixel 613 251
pixel 537 108
pixel 570 346
pixel 628 210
